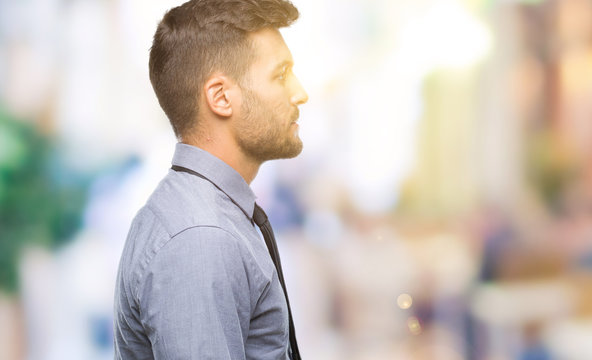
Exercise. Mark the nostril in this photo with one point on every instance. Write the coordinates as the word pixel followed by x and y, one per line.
pixel 300 99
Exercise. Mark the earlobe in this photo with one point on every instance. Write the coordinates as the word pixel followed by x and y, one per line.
pixel 216 94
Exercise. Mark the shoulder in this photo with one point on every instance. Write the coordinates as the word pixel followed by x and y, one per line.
pixel 206 248
pixel 204 257
pixel 203 242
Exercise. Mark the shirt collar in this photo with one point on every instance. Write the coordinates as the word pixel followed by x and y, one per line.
pixel 219 173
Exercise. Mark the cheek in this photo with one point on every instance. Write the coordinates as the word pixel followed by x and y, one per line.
pixel 275 105
pixel 276 108
pixel 277 95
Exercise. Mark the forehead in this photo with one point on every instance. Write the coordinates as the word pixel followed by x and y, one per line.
pixel 269 48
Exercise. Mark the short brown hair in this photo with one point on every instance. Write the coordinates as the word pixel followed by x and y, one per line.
pixel 196 39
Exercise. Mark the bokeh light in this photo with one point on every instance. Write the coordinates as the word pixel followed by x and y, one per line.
pixel 414 325
pixel 404 301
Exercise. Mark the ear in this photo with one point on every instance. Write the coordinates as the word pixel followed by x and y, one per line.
pixel 217 94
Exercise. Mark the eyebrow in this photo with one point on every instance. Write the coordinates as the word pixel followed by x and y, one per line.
pixel 284 63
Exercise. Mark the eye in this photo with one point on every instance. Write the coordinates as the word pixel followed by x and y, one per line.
pixel 283 75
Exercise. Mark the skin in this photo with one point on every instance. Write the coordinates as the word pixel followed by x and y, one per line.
pixel 245 124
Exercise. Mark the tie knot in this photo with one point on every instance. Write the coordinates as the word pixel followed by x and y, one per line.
pixel 259 215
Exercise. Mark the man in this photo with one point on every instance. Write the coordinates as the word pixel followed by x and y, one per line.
pixel 196 280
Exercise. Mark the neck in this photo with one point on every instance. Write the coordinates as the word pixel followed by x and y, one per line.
pixel 229 152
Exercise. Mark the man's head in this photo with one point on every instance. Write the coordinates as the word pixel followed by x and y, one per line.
pixel 205 37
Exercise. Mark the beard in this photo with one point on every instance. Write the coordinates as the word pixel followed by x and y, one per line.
pixel 264 133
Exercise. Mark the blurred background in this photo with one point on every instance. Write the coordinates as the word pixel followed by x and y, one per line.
pixel 441 209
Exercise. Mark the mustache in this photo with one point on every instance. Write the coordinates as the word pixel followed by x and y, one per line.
pixel 295 115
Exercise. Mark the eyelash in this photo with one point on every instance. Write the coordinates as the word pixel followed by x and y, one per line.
pixel 283 75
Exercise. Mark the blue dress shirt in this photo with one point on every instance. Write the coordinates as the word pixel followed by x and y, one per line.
pixel 195 279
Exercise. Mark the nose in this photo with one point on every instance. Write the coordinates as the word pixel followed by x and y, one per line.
pixel 299 96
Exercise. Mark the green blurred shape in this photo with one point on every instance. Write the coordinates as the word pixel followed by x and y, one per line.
pixel 551 167
pixel 41 202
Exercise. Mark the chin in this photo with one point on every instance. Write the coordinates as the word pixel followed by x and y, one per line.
pixel 295 151
pixel 288 152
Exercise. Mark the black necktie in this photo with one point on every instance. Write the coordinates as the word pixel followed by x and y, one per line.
pixel 261 220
